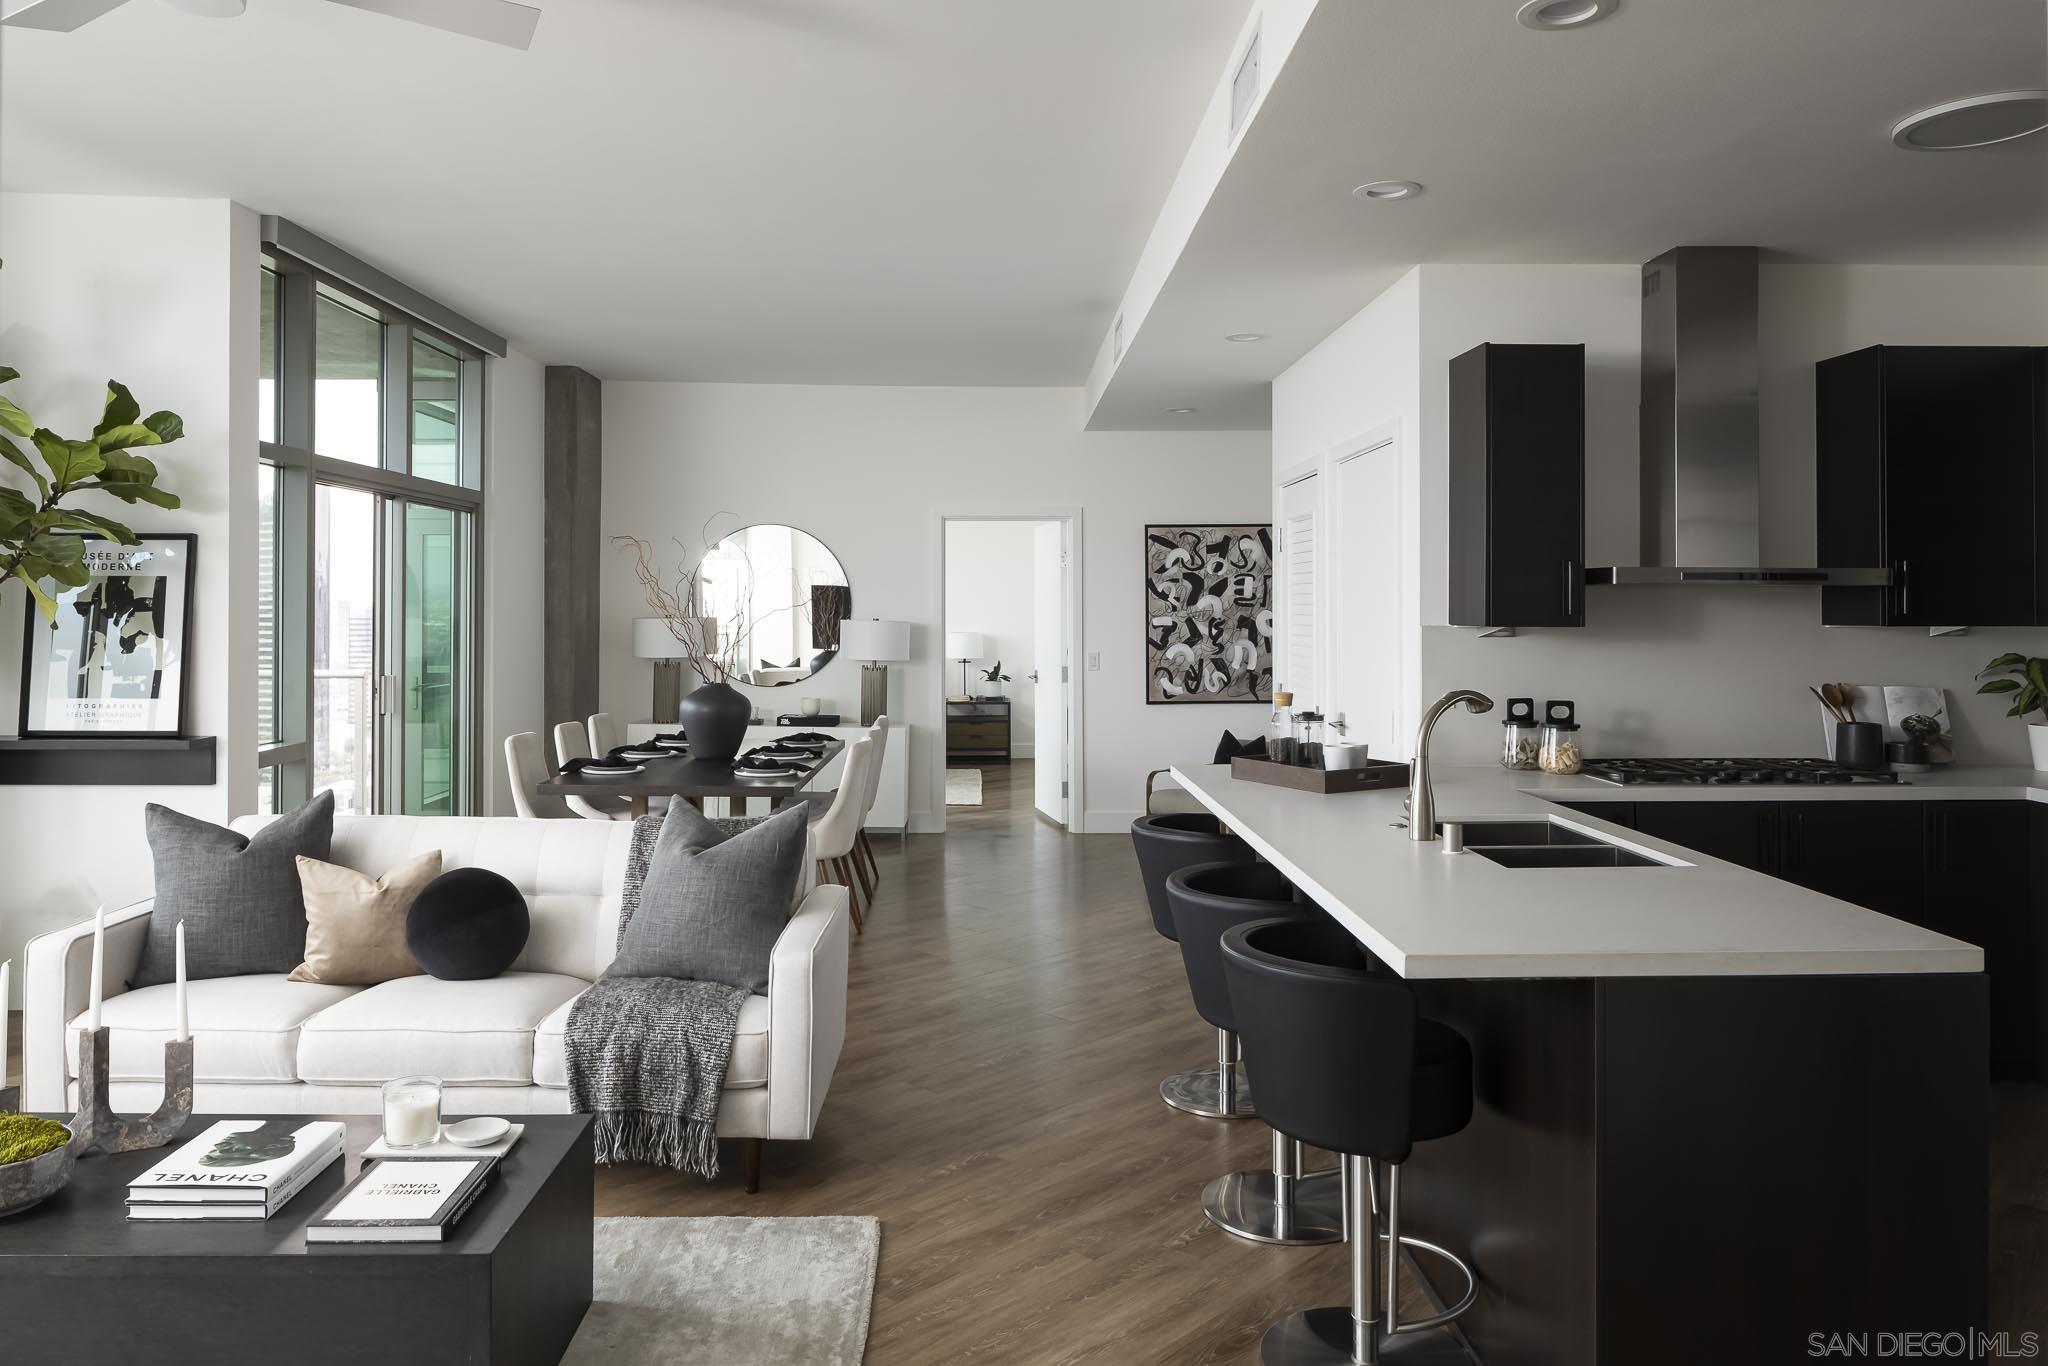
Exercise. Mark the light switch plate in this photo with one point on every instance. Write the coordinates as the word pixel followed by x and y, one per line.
pixel 1095 661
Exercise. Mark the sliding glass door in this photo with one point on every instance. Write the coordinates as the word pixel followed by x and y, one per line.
pixel 367 602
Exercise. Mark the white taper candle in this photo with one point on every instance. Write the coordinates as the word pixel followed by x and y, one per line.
pixel 99 958
pixel 184 1018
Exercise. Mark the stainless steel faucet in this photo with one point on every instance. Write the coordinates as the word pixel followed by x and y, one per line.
pixel 1421 800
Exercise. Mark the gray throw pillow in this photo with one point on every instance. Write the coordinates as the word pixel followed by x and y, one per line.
pixel 238 895
pixel 713 904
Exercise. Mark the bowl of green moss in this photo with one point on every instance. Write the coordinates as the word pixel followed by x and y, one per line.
pixel 35 1161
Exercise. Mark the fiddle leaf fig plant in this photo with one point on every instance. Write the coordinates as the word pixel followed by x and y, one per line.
pixel 35 531
pixel 2025 676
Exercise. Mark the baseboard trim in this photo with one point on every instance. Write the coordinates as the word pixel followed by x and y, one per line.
pixel 1108 822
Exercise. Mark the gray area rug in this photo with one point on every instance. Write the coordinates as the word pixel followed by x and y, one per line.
pixel 730 1292
pixel 963 787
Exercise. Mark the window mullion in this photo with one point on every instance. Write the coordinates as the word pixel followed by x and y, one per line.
pixel 396 390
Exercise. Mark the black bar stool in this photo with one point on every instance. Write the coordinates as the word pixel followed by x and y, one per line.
pixel 1281 1205
pixel 1346 1063
pixel 1166 843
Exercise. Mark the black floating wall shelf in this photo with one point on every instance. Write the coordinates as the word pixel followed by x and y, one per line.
pixel 108 761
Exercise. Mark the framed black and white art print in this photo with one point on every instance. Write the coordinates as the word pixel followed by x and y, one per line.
pixel 117 662
pixel 1209 613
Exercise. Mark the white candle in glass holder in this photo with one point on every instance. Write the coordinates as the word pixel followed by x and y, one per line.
pixel 99 958
pixel 412 1112
pixel 184 1017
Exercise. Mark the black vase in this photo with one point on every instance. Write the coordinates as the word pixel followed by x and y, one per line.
pixel 715 719
pixel 1859 744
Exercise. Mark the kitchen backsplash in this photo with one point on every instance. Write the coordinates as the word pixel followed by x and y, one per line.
pixel 1710 671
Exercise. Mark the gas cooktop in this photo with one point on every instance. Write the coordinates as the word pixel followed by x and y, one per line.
pixel 1631 771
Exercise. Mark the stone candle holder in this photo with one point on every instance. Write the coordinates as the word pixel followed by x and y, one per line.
pixel 97 1129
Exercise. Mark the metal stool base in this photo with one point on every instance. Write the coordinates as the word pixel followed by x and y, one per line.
pixel 1322 1337
pixel 1242 1205
pixel 1196 1093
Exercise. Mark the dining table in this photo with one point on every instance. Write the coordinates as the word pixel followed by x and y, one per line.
pixel 682 775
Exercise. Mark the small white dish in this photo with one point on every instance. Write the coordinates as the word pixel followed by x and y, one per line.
pixel 643 754
pixel 673 744
pixel 476 1133
pixel 610 770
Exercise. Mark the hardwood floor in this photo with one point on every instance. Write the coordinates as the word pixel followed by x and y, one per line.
pixel 1011 1013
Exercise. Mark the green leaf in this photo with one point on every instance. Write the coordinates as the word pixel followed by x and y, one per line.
pixel 124 466
pixel 2001 685
pixel 92 521
pixel 2037 675
pixel 45 604
pixel 14 419
pixel 15 455
pixel 2004 661
pixel 16 511
pixel 8 372
pixel 120 408
pixel 128 434
pixel 167 425
pixel 133 492
pixel 69 461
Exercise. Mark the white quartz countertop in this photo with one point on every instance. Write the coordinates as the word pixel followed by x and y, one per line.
pixel 1428 914
pixel 1945 782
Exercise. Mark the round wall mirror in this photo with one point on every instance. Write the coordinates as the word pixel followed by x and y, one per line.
pixel 778 596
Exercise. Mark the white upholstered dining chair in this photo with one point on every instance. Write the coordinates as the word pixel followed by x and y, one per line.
pixel 606 734
pixel 863 848
pixel 833 834
pixel 572 741
pixel 525 767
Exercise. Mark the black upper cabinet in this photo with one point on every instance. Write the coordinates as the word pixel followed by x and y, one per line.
pixel 1930 462
pixel 1518 474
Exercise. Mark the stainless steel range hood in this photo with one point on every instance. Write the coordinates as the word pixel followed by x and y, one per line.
pixel 1700 444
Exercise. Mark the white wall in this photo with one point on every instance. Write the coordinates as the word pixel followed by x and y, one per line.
pixel 1681 670
pixel 989 589
pixel 161 295
pixel 868 471
pixel 512 568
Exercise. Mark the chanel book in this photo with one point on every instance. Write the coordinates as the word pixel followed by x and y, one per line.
pixel 402 1200
pixel 237 1169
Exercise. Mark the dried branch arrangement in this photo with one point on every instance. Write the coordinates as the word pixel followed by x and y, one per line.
pixel 712 653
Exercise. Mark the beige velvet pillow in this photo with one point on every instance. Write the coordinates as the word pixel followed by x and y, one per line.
pixel 355 927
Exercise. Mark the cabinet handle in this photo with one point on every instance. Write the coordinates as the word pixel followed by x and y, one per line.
pixel 1796 844
pixel 1905 590
pixel 1570 588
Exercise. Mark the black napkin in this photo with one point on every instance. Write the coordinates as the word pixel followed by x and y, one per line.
pixel 678 734
pixel 578 765
pixel 810 737
pixel 765 766
pixel 782 751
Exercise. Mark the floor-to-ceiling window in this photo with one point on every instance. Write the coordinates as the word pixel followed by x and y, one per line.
pixel 368 599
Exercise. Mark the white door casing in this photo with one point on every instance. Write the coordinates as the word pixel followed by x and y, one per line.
pixel 1049 669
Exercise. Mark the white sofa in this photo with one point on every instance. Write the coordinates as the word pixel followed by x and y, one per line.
pixel 268 1045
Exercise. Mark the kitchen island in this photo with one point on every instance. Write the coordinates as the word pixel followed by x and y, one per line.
pixel 1715 1112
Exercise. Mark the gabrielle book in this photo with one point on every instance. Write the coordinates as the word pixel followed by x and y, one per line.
pixel 238 1168
pixel 403 1200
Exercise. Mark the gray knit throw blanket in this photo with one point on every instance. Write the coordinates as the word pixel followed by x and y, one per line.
pixel 647 1055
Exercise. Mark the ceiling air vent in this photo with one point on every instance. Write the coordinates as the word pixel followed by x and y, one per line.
pixel 1244 86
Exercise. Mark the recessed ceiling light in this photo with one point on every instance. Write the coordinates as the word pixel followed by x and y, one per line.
pixel 1246 336
pixel 1978 121
pixel 1557 14
pixel 1388 190
pixel 1178 412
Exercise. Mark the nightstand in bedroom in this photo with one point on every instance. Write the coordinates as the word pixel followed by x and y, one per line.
pixel 978 728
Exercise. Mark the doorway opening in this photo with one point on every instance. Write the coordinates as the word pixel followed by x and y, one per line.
pixel 1008 621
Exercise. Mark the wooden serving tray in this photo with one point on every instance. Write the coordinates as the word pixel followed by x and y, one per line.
pixel 1376 773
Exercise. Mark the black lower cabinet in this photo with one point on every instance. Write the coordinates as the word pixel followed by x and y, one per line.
pixel 1739 832
pixel 1869 853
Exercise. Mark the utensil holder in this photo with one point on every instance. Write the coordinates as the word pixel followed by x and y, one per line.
pixel 1859 745
pixel 97 1129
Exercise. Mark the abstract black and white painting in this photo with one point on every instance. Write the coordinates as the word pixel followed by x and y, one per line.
pixel 116 660
pixel 1209 613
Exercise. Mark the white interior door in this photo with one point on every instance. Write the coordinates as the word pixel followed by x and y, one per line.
pixel 1049 669
pixel 1301 592
pixel 1366 578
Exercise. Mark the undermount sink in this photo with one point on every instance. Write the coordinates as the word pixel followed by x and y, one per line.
pixel 1563 856
pixel 1549 844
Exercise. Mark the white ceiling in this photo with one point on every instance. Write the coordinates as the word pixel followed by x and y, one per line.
pixel 830 191
pixel 1673 121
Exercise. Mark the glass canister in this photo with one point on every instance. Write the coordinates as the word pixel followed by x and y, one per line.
pixel 1280 730
pixel 1519 734
pixel 1557 749
pixel 1308 739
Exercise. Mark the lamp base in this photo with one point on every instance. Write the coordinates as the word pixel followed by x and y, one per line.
pixel 874 692
pixel 668 690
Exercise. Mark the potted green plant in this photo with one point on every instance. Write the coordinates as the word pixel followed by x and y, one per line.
pixel 2026 677
pixel 36 533
pixel 994 675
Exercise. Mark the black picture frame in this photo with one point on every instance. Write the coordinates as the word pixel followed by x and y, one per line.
pixel 177 631
pixel 1189 645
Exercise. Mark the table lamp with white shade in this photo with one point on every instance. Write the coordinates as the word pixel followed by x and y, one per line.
pixel 879 644
pixel 963 647
pixel 652 639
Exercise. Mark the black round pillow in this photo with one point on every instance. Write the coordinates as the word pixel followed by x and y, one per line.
pixel 466 924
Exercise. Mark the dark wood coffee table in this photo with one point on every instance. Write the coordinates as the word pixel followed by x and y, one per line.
pixel 79 1283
